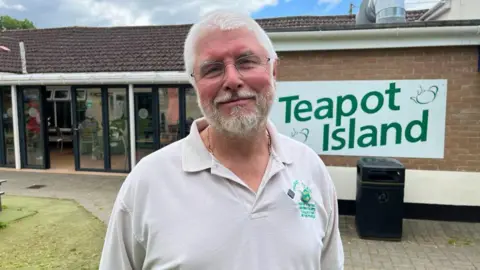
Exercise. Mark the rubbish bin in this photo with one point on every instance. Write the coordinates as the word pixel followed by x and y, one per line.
pixel 379 198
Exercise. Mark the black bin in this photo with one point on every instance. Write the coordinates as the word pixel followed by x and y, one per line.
pixel 379 199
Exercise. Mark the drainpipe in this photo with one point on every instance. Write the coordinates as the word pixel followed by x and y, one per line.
pixel 16 134
pixel 22 57
pixel 432 10
pixel 131 114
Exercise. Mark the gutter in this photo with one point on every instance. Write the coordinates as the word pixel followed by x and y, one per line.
pixel 95 78
pixel 434 9
pixel 441 31
pixel 395 37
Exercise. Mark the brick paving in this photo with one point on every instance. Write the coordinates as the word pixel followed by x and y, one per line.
pixel 425 244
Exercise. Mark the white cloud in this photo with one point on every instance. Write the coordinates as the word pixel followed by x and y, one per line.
pixel 4 5
pixel 56 13
pixel 91 12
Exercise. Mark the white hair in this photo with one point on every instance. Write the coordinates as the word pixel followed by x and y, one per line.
pixel 223 20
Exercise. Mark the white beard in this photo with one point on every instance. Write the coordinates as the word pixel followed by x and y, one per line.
pixel 240 122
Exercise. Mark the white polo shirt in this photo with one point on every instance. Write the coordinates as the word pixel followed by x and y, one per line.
pixel 180 208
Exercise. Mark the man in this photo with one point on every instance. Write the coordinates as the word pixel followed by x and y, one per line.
pixel 234 194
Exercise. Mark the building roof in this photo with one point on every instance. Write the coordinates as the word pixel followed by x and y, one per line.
pixel 123 49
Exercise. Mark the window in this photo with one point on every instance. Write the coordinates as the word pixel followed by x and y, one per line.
pixel 193 112
pixel 61 95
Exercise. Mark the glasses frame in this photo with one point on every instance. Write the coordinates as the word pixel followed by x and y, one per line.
pixel 268 59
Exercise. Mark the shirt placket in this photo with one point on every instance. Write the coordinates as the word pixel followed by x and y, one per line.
pixel 253 202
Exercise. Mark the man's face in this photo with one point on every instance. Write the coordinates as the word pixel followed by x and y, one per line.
pixel 234 98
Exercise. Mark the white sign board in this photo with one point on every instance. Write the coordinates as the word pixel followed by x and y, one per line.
pixel 390 118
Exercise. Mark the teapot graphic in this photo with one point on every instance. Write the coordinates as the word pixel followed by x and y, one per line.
pixel 304 132
pixel 425 96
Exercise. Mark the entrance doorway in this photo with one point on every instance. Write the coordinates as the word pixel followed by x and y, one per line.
pixel 58 114
pixel 163 115
pixel 45 125
pixel 101 128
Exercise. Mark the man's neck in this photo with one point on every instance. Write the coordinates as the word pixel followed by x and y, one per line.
pixel 238 148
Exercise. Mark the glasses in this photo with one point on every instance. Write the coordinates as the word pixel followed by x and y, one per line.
pixel 245 65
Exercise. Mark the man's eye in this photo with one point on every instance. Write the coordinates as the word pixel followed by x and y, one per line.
pixel 251 59
pixel 247 62
pixel 212 70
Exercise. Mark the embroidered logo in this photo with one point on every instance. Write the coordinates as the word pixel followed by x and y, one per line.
pixel 307 208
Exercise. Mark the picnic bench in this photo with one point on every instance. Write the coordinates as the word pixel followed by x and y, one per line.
pixel 1 193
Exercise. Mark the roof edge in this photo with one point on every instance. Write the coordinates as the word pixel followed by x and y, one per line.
pixel 468 35
pixel 95 78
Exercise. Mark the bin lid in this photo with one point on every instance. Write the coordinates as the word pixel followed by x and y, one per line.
pixel 380 162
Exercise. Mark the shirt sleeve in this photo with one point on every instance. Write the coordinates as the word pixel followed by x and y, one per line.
pixel 332 253
pixel 122 250
pixel 332 257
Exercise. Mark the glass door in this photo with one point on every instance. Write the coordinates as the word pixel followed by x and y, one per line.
pixel 101 128
pixel 146 135
pixel 118 130
pixel 33 129
pixel 170 113
pixel 87 129
pixel 163 115
pixel 7 151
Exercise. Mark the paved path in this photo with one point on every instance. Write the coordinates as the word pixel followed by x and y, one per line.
pixel 95 192
pixel 426 244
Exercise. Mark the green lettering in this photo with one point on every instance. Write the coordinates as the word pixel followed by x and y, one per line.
pixel 351 133
pixel 288 106
pixel 372 135
pixel 336 137
pixel 391 97
pixel 398 133
pixel 340 110
pixel 299 110
pixel 423 128
pixel 328 107
pixel 379 102
pixel 326 133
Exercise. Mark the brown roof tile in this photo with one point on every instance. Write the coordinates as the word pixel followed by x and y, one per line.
pixel 117 49
pixel 315 21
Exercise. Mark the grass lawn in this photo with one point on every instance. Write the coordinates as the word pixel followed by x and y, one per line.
pixel 44 233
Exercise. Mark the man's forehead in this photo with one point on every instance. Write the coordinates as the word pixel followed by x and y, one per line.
pixel 229 44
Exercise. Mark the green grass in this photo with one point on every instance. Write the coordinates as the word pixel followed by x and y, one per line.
pixel 459 242
pixel 44 233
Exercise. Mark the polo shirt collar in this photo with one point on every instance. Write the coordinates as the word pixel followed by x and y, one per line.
pixel 196 157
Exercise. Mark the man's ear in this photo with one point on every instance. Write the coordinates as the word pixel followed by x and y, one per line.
pixel 275 67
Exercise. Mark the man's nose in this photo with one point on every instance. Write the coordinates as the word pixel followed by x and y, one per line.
pixel 232 79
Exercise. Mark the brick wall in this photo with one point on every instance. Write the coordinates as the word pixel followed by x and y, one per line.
pixel 456 64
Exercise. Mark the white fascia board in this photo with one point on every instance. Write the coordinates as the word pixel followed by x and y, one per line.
pixel 95 78
pixel 376 38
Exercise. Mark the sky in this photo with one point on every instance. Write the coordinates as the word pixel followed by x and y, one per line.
pixel 63 13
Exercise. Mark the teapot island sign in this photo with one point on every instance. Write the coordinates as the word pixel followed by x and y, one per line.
pixel 402 118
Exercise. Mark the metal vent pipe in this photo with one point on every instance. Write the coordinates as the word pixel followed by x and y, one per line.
pixel 381 11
